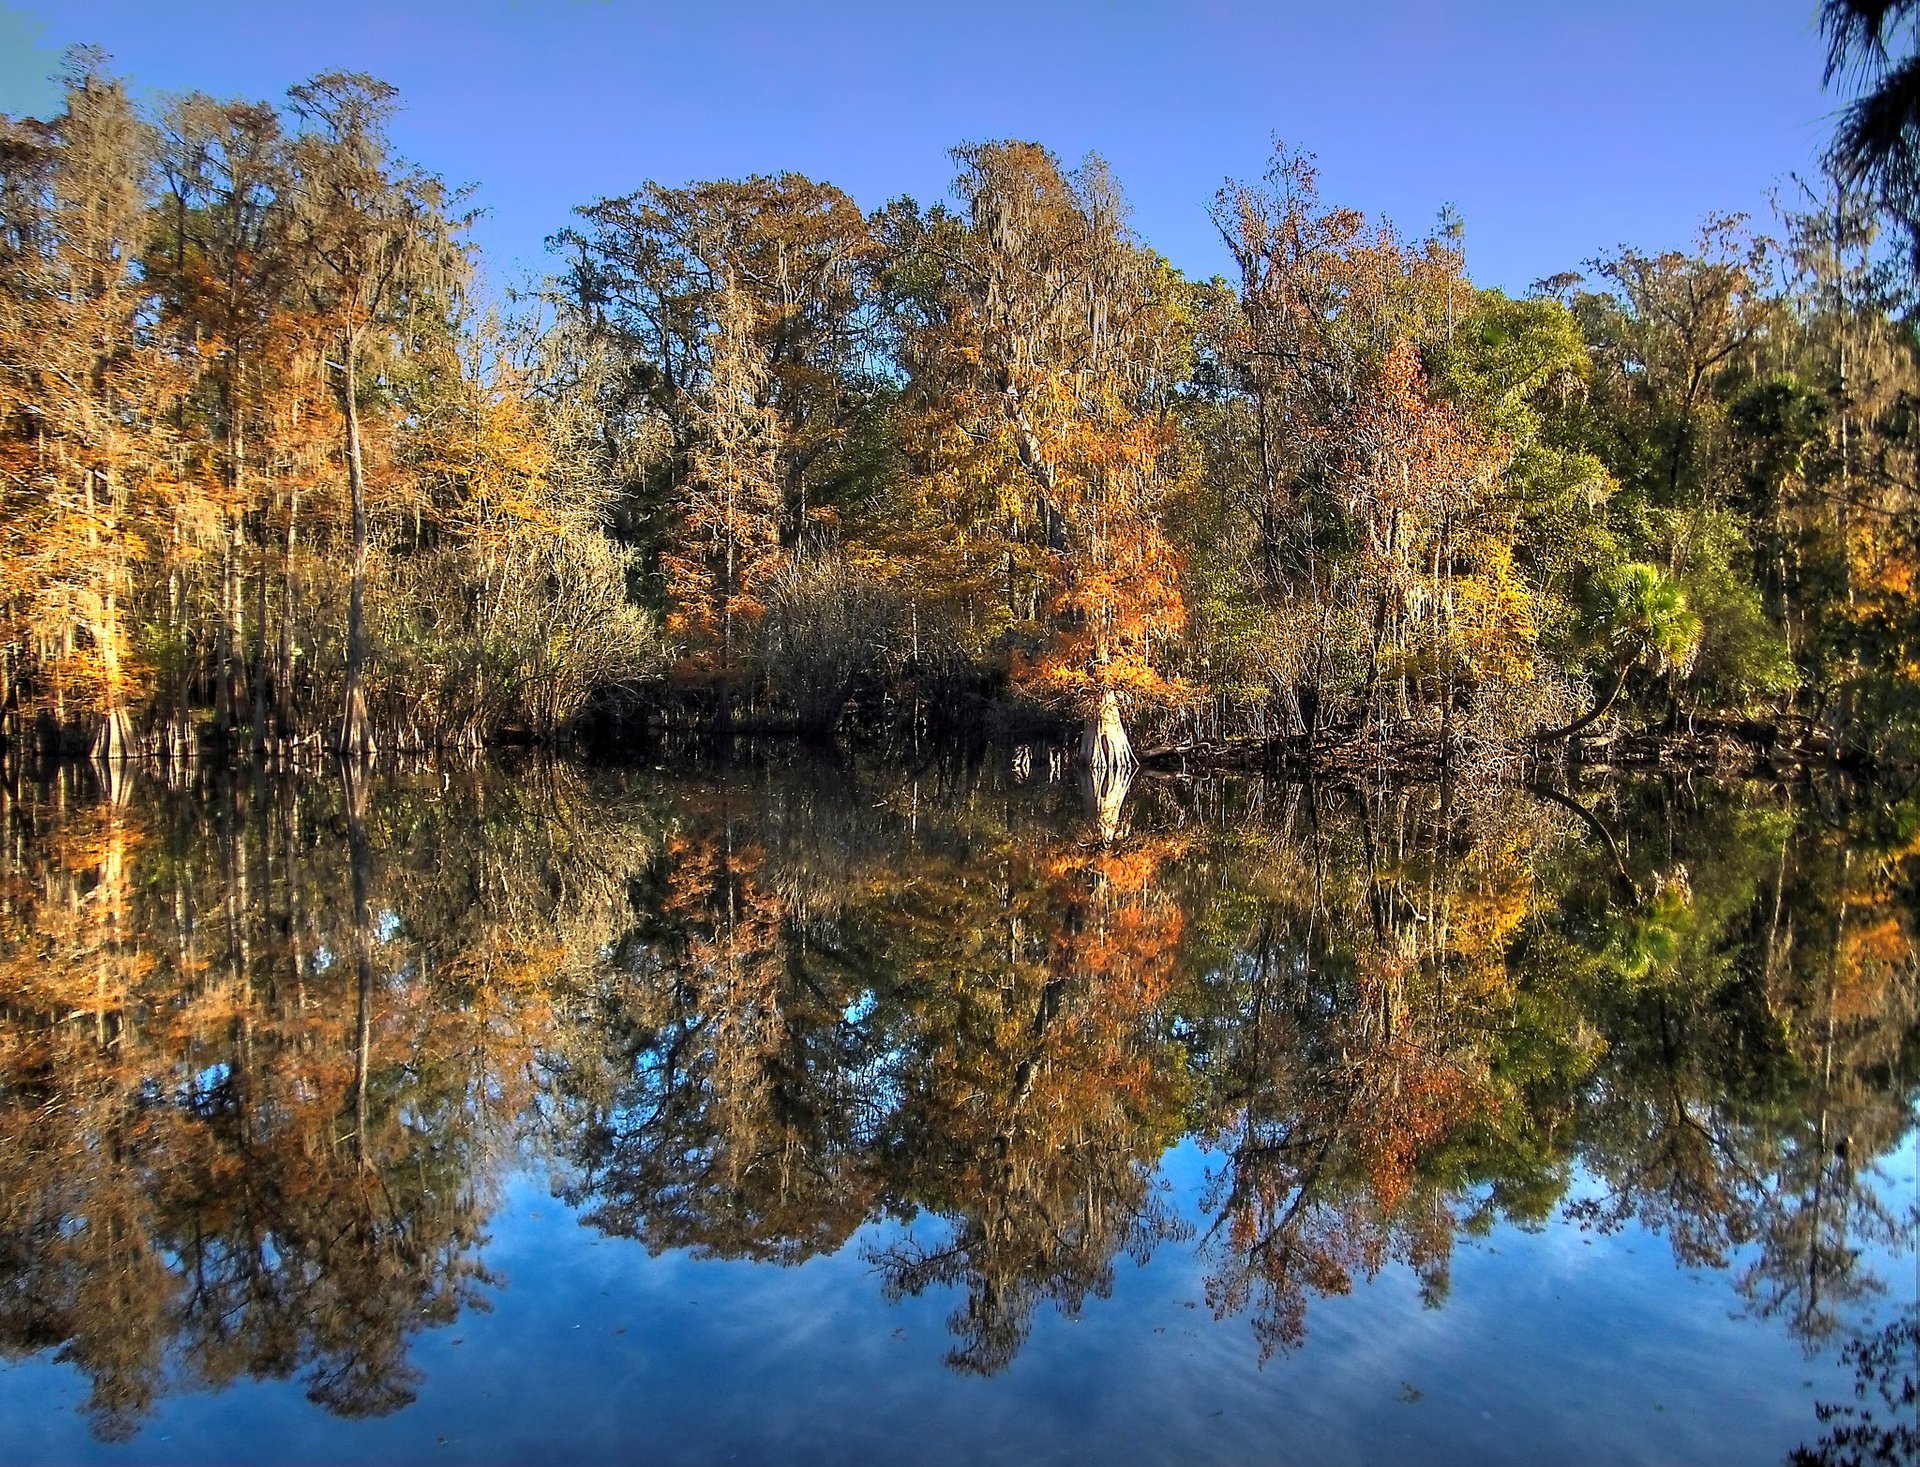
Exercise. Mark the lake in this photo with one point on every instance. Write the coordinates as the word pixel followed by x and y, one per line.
pixel 844 1112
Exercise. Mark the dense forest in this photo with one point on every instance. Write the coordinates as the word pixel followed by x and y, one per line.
pixel 273 473
pixel 283 479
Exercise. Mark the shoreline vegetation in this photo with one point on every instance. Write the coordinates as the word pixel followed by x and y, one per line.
pixel 277 480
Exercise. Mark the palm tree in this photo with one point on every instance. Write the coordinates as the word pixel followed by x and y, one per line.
pixel 1877 140
pixel 1645 618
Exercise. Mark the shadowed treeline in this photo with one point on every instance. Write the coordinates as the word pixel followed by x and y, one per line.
pixel 269 1048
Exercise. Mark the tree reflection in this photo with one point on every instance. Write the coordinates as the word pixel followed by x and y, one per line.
pixel 268 1047
pixel 1759 1057
pixel 1048 1081
pixel 1879 1426
pixel 264 1054
pixel 708 1095
pixel 1367 988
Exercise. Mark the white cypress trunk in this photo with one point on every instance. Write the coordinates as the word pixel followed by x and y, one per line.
pixel 1107 755
pixel 1104 745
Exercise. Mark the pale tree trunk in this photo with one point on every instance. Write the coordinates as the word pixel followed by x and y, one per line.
pixel 283 681
pixel 358 862
pixel 356 732
pixel 1107 754
pixel 231 645
pixel 1105 798
pixel 53 727
pixel 223 642
pixel 114 741
pixel 260 640
pixel 726 625
pixel 1104 744
pixel 178 739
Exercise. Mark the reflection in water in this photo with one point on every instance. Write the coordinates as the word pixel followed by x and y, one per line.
pixel 269 1049
pixel 1881 1424
pixel 260 1066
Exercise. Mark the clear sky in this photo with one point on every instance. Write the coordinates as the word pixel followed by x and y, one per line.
pixel 1557 130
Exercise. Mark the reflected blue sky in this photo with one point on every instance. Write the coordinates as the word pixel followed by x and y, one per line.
pixel 1555 1345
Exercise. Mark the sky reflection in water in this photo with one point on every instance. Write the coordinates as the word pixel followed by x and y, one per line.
pixel 834 1115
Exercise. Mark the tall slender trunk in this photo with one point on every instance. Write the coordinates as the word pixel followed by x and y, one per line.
pixel 232 617
pixel 1272 512
pixel 259 739
pixel 223 641
pixel 355 739
pixel 726 624
pixel 179 737
pixel 113 740
pixel 1849 680
pixel 283 681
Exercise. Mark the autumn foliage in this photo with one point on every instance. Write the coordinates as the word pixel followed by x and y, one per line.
pixel 753 459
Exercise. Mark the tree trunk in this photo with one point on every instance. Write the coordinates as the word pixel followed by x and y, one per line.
pixel 223 642
pixel 1598 711
pixel 232 641
pixel 1104 744
pixel 259 739
pixel 113 741
pixel 356 792
pixel 283 680
pixel 1105 798
pixel 356 733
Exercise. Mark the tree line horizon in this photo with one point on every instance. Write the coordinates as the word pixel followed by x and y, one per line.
pixel 751 460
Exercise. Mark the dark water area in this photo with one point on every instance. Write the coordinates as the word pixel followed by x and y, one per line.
pixel 847 1113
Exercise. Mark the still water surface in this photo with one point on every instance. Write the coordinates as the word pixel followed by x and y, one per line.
pixel 843 1114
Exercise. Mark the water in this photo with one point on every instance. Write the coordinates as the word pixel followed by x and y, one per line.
pixel 854 1114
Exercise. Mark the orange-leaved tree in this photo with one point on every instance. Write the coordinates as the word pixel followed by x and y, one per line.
pixel 1412 482
pixel 84 397
pixel 1045 378
pixel 383 259
pixel 727 537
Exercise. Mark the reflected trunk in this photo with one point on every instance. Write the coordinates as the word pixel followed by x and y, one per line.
pixel 357 856
pixel 1104 794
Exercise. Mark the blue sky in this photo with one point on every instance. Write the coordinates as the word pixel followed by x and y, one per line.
pixel 1557 130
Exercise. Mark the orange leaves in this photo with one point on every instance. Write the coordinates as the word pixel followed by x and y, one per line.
pixel 726 539
pixel 1412 461
pixel 1123 931
pixel 1435 561
pixel 1047 407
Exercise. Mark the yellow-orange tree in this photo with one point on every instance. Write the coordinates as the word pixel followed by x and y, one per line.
pixel 84 392
pixel 222 271
pixel 1434 583
pixel 1043 379
pixel 728 519
pixel 383 261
